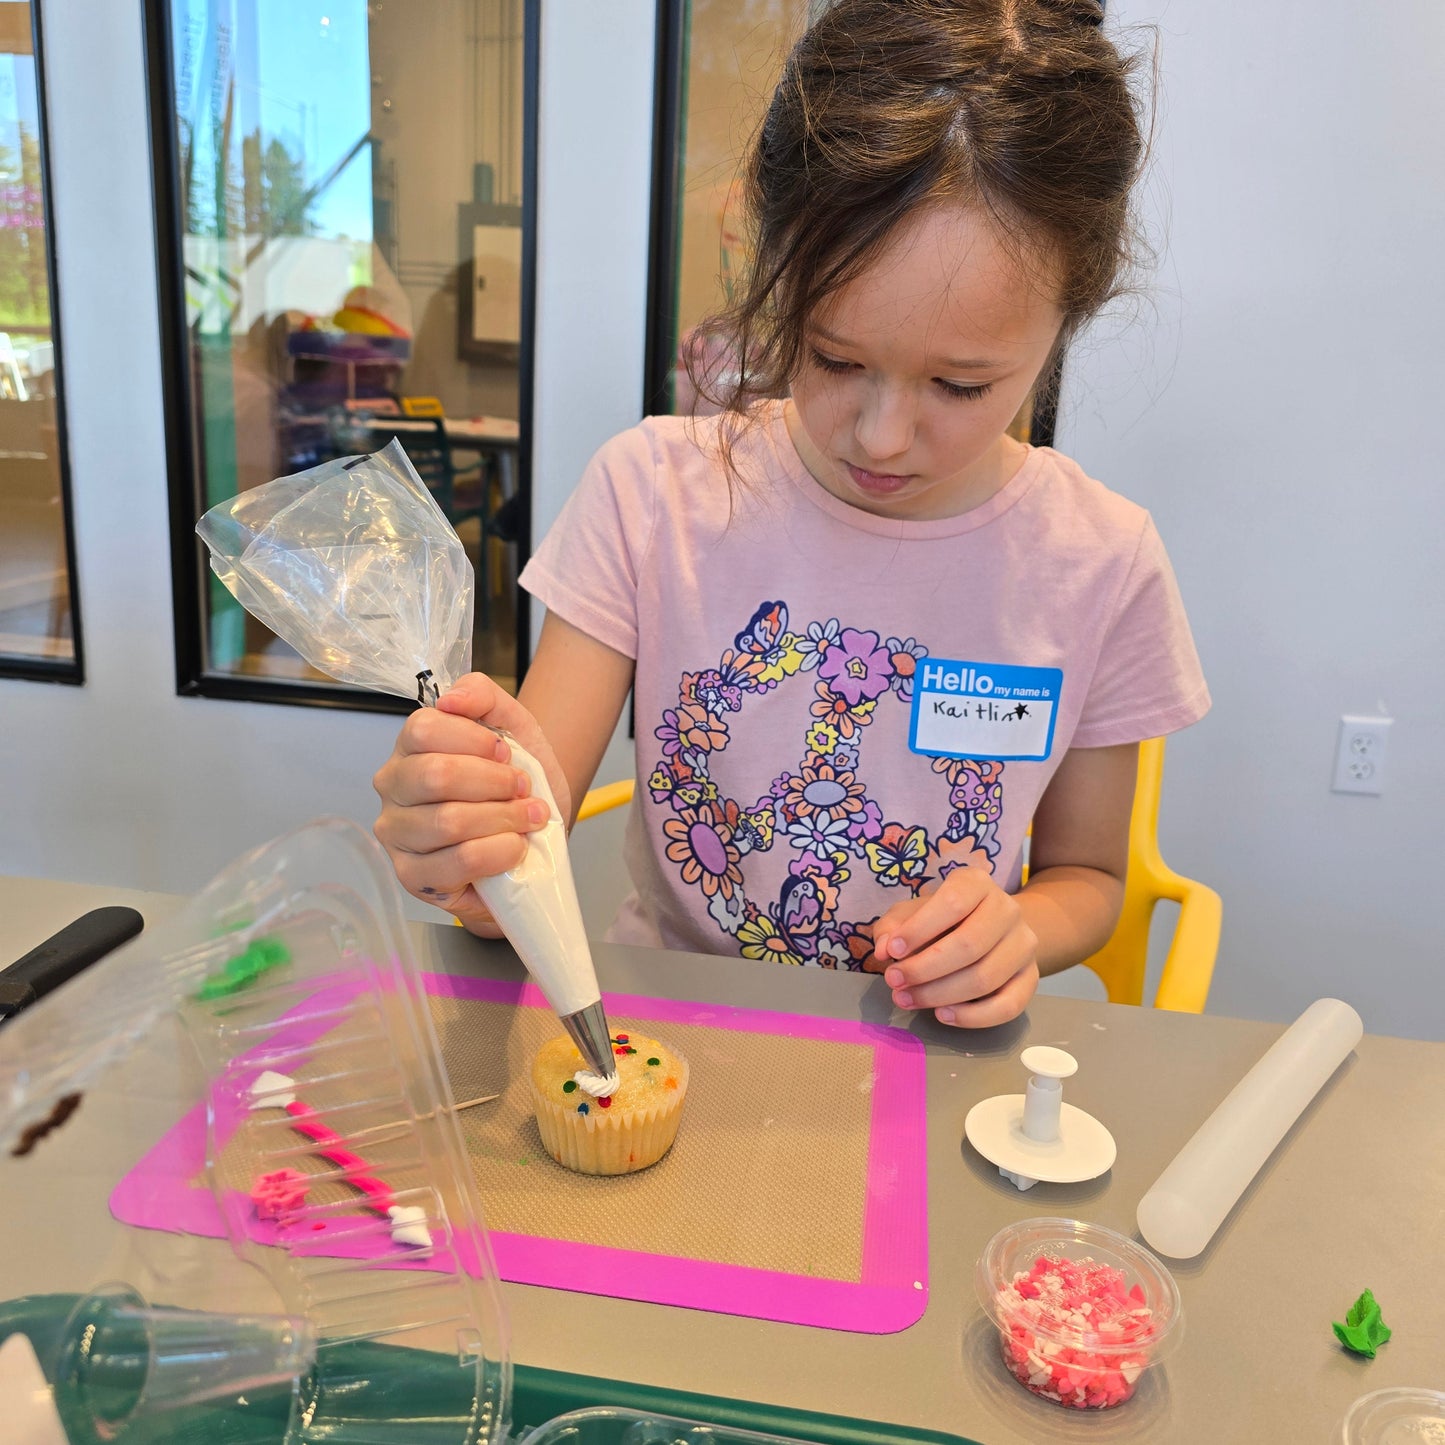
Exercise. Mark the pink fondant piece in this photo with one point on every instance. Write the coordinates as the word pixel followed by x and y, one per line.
pixel 280 1194
pixel 304 1121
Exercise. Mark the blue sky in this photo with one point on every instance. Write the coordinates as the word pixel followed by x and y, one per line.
pixel 303 73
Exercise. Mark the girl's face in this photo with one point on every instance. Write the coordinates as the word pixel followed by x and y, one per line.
pixel 912 372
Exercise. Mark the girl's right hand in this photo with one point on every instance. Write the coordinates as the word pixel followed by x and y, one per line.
pixel 453 807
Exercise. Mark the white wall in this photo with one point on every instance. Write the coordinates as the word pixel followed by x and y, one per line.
pixel 1275 406
pixel 121 781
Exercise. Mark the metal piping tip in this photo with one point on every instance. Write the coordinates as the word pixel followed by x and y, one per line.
pixel 589 1031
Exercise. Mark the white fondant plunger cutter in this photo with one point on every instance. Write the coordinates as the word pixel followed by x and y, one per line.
pixel 1035 1136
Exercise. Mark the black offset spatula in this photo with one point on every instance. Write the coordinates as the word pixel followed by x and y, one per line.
pixel 65 954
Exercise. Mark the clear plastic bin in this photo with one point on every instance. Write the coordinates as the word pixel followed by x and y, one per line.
pixel 294 961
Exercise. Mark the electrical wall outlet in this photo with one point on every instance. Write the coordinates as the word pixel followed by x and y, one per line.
pixel 1360 755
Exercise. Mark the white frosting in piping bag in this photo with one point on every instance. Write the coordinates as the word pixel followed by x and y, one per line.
pixel 536 904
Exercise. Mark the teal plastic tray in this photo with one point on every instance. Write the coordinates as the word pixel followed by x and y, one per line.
pixel 538 1396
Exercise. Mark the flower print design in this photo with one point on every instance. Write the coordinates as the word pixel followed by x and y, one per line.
pixel 904 653
pixel 866 825
pixel 948 854
pixel 976 789
pixel 821 807
pixel 951 768
pixel 900 857
pixel 828 874
pixel 819 834
pixel 761 937
pixel 703 844
pixel 853 944
pixel 847 717
pixel 800 914
pixel 819 638
pixel 859 668
pixel 755 828
pixel 985 835
pixel 677 783
pixel 782 661
pixel 819 787
pixel 823 739
pixel 727 911
pixel 709 689
pixel 691 726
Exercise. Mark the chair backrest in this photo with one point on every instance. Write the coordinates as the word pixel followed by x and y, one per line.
pixel 1122 962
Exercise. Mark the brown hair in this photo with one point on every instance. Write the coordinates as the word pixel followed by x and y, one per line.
pixel 887 106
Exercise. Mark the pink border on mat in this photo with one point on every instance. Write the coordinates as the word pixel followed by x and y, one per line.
pixel 893 1291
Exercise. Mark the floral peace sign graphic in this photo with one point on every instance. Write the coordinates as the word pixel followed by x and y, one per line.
pixel 821 810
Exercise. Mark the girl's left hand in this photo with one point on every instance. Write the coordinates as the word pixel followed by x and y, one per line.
pixel 963 950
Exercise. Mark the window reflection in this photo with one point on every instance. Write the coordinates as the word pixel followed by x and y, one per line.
pixel 37 620
pixel 349 179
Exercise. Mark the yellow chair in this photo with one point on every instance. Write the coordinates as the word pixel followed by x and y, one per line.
pixel 1122 962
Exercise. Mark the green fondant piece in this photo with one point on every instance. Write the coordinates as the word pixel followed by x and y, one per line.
pixel 1363 1331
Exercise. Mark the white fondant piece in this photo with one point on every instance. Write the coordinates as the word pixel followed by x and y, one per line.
pixel 271 1090
pixel 408 1225
pixel 30 1414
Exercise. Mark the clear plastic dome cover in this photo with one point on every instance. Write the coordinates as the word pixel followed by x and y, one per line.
pixel 294 963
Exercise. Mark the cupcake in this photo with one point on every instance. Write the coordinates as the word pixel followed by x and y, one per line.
pixel 619 1133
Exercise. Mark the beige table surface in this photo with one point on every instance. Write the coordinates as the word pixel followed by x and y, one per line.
pixel 1354 1198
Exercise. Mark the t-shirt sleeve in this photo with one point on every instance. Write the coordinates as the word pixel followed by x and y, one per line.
pixel 587 567
pixel 1148 681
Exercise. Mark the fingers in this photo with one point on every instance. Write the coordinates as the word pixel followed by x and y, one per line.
pixel 1013 953
pixel 948 929
pixel 963 950
pixel 428 828
pixel 453 806
pixel 467 908
pixel 478 698
pixel 1005 1003
pixel 443 877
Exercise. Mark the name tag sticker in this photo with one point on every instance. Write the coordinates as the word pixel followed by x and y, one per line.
pixel 984 710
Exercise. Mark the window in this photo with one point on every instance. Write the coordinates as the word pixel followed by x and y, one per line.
pixel 39 631
pixel 343 207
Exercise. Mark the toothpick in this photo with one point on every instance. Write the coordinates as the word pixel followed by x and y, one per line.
pixel 455 1109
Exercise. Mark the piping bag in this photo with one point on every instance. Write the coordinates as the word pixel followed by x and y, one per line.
pixel 356 566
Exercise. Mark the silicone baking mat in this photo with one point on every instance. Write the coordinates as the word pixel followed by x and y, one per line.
pixel 796 1189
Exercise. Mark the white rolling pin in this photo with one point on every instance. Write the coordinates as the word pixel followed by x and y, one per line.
pixel 1189 1200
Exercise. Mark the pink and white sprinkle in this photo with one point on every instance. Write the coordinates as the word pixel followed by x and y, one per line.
pixel 1075 1332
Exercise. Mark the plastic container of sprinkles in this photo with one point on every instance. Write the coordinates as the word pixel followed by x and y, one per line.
pixel 1082 1312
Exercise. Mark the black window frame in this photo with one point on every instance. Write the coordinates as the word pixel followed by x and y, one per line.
pixel 70 672
pixel 189 566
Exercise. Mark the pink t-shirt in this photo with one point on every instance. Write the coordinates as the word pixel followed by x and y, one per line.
pixel 836 709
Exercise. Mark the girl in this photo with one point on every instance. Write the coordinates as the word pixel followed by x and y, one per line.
pixel 870 635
